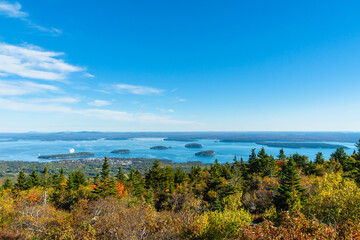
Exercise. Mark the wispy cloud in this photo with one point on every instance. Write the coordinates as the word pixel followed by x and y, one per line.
pixel 89 75
pixel 16 88
pixel 99 103
pixel 13 10
pixel 136 89
pixel 30 61
pixel 180 99
pixel 55 100
pixel 26 106
pixel 166 110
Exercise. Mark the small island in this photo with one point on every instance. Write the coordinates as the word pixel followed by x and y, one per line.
pixel 193 145
pixel 68 155
pixel 116 138
pixel 181 139
pixel 301 145
pixel 160 147
pixel 121 151
pixel 207 153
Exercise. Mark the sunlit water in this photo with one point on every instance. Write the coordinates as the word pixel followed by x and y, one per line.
pixel 29 150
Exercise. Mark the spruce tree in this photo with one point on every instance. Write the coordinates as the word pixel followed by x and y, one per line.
pixel 105 172
pixel 180 176
pixel 7 184
pixel 254 166
pixel 34 179
pixel 266 163
pixel 107 185
pixel 136 183
pixel 120 175
pixel 282 156
pixel 45 178
pixel 290 192
pixel 21 182
pixel 319 159
pixel 341 157
pixel 355 173
pixel 196 174
pixel 79 179
pixel 62 175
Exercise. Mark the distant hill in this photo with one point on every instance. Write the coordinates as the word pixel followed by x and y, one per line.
pixel 300 145
pixel 191 136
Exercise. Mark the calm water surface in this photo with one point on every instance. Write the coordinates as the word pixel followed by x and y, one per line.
pixel 29 150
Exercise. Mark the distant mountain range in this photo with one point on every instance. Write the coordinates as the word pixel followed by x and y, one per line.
pixel 190 136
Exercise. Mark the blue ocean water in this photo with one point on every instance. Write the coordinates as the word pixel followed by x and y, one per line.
pixel 29 150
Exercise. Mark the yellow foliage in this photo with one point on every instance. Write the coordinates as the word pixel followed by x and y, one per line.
pixel 334 199
pixel 6 208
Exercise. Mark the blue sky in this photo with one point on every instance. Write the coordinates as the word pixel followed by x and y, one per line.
pixel 179 65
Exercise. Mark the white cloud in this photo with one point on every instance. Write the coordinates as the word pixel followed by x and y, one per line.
pixel 13 10
pixel 33 62
pixel 12 88
pixel 136 89
pixel 180 99
pixel 89 75
pixel 55 100
pixel 28 106
pixel 99 103
pixel 166 110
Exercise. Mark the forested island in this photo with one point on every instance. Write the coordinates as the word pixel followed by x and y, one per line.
pixel 159 147
pixel 121 151
pixel 206 153
pixel 301 145
pixel 67 155
pixel 193 145
pixel 261 197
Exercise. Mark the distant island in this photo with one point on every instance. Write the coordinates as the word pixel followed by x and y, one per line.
pixel 160 147
pixel 300 145
pixel 181 139
pixel 68 155
pixel 206 153
pixel 117 138
pixel 193 145
pixel 123 151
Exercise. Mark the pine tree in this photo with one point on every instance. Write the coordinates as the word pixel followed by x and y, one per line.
pixel 79 179
pixel 34 179
pixel 340 156
pixel 136 183
pixel 282 156
pixel 7 184
pixel 355 173
pixel 196 174
pixel 254 166
pixel 319 159
pixel 105 172
pixel 45 178
pixel 357 145
pixel 300 160
pixel 290 192
pixel 21 182
pixel 120 175
pixel 62 175
pixel 266 163
pixel 180 176
pixel 107 184
pixel 226 171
